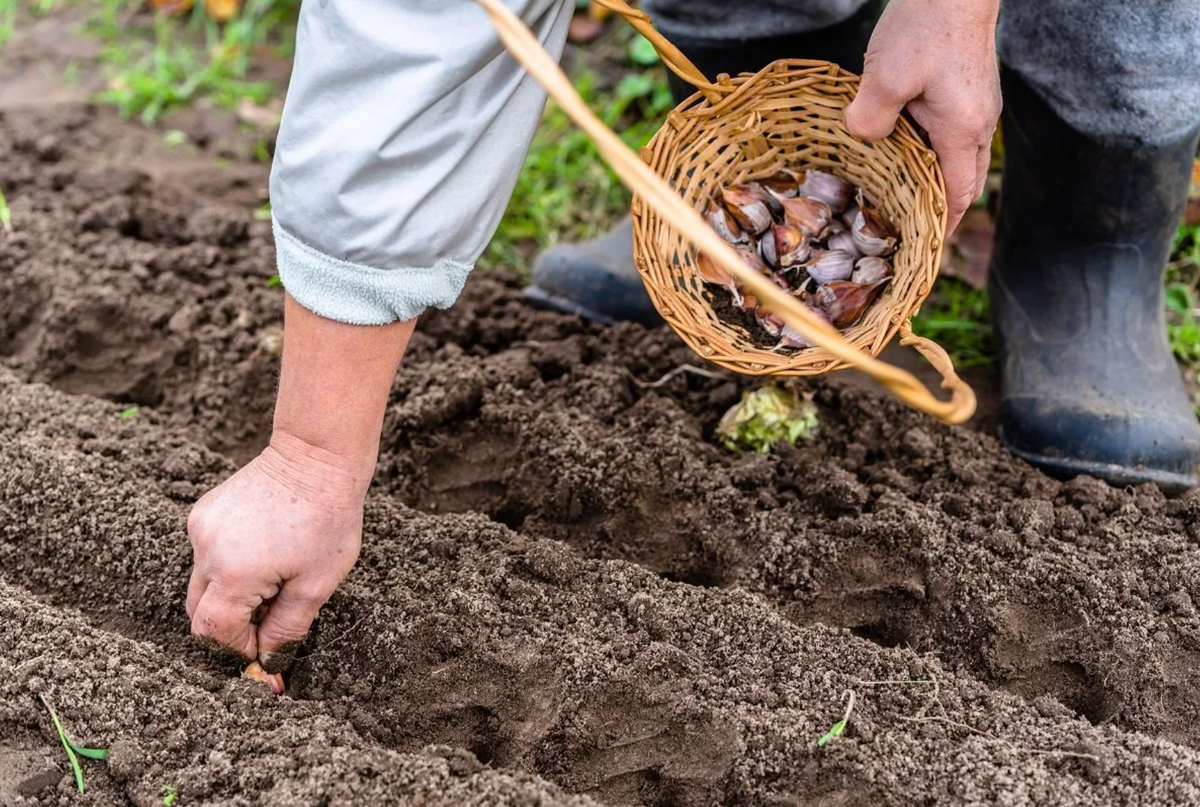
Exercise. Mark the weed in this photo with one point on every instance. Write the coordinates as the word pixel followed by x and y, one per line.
pixel 8 19
pixel 169 795
pixel 263 212
pixel 174 137
pixel 956 316
pixel 765 417
pixel 275 282
pixel 73 751
pixel 839 727
pixel 149 79
pixel 129 414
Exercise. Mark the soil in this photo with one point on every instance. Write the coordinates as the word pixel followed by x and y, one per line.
pixel 568 593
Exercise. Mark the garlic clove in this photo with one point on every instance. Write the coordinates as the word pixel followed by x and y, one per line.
pixel 257 673
pixel 725 224
pixel 785 183
pixel 873 235
pixel 810 215
pixel 792 246
pixel 771 323
pixel 871 269
pixel 789 337
pixel 834 191
pixel 748 206
pixel 830 266
pixel 846 302
pixel 767 247
pixel 844 242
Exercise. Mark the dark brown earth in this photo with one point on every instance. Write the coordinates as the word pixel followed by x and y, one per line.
pixel 569 594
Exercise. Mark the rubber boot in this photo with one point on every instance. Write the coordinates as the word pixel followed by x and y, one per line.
pixel 1083 235
pixel 597 279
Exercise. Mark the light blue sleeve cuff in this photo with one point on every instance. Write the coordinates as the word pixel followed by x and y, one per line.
pixel 363 295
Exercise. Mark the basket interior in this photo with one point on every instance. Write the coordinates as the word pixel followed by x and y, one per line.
pixel 788 115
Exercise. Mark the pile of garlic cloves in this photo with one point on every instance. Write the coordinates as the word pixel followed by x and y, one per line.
pixel 814 235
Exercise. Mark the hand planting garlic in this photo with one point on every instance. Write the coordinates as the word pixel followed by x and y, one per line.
pixel 815 235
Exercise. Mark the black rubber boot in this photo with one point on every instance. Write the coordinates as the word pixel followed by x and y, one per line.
pixel 597 279
pixel 1082 240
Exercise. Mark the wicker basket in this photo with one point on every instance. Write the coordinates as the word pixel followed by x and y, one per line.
pixel 733 130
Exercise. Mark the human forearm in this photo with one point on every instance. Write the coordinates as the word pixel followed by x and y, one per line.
pixel 333 391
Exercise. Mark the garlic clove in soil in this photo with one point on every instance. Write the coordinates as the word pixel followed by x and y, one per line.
pixel 810 215
pixel 769 322
pixel 834 191
pixel 725 224
pixel 845 302
pixel 831 265
pixel 871 269
pixel 748 206
pixel 255 672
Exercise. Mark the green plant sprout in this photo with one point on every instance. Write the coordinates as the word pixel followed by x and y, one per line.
pixel 765 417
pixel 275 282
pixel 129 414
pixel 73 751
pixel 5 214
pixel 839 727
pixel 169 795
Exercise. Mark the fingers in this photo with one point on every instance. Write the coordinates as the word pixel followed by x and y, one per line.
pixel 286 623
pixel 225 617
pixel 982 165
pixel 960 167
pixel 196 586
pixel 872 115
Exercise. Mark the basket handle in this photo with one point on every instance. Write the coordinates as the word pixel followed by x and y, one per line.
pixel 655 191
pixel 671 56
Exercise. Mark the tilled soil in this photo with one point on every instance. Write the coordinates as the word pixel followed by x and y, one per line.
pixel 569 594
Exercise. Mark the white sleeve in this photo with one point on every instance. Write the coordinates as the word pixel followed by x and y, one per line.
pixel 405 127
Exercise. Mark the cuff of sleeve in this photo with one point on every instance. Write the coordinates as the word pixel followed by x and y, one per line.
pixel 363 295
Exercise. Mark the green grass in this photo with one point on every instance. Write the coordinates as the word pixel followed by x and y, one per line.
pixel 1183 278
pixel 956 316
pixel 177 63
pixel 565 190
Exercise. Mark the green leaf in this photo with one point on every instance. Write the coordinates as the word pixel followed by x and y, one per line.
pixel 635 85
pixel 642 53
pixel 169 795
pixel 766 416
pixel 5 214
pixel 832 734
pixel 1179 298
pixel 129 414
pixel 275 282
pixel 71 748
pixel 174 137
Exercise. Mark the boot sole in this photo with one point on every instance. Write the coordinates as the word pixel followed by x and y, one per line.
pixel 1117 475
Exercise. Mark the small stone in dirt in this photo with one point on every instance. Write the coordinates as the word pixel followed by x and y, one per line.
pixel 551 562
pixel 1036 517
pixel 126 759
pixel 48 148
